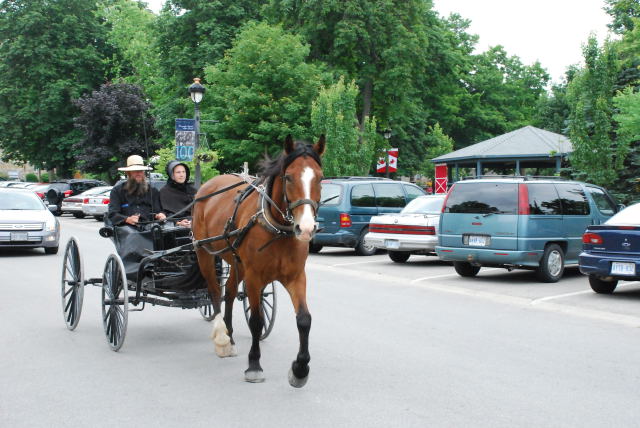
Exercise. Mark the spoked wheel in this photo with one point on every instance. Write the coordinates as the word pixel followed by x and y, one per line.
pixel 223 269
pixel 268 303
pixel 72 284
pixel 115 302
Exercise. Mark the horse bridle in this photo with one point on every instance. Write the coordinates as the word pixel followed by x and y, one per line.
pixel 302 150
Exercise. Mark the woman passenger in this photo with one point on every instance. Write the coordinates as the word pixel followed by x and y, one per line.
pixel 178 193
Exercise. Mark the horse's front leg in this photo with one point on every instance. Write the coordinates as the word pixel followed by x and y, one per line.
pixel 230 294
pixel 254 293
pixel 299 372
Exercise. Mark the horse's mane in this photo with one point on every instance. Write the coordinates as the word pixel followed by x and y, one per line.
pixel 270 168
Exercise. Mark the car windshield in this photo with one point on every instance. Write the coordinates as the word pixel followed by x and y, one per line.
pixel 629 216
pixel 20 201
pixel 97 190
pixel 424 206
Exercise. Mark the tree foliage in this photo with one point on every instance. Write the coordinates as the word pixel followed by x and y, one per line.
pixel 115 123
pixel 622 12
pixel 51 52
pixel 333 113
pixel 439 144
pixel 260 92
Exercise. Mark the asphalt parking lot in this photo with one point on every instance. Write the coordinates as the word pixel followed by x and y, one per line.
pixel 571 294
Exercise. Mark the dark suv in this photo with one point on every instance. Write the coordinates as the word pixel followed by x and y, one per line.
pixel 348 204
pixel 60 189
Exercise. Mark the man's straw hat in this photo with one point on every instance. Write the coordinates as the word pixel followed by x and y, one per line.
pixel 135 163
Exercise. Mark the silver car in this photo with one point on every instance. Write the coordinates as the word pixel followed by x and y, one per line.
pixel 74 204
pixel 414 230
pixel 25 222
pixel 97 204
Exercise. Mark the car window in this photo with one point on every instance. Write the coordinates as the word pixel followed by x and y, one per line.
pixel 20 201
pixel 630 216
pixel 424 206
pixel 574 201
pixel 362 196
pixel 60 186
pixel 330 194
pixel 389 195
pixel 413 191
pixel 483 198
pixel 603 201
pixel 543 199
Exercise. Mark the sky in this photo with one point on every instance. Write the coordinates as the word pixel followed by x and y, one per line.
pixel 549 31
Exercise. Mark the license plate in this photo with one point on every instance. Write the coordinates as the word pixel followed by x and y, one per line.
pixel 478 241
pixel 92 209
pixel 621 268
pixel 392 244
pixel 19 236
pixel 95 201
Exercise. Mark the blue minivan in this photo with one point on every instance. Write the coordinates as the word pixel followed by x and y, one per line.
pixel 347 205
pixel 519 223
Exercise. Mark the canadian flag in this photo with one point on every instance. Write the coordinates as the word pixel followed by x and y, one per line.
pixel 393 160
pixel 381 165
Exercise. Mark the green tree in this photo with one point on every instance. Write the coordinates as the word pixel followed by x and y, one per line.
pixel 115 123
pixel 51 52
pixel 260 92
pixel 438 144
pixel 622 12
pixel 333 113
pixel 596 156
pixel 628 132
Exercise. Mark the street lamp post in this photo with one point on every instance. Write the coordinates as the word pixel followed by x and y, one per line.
pixel 196 91
pixel 387 135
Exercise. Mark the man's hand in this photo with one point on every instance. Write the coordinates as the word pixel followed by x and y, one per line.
pixel 184 223
pixel 132 219
pixel 160 216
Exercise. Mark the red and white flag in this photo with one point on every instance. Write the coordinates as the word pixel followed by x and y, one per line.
pixel 393 160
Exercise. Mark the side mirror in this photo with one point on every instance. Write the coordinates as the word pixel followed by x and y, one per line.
pixel 52 208
pixel 106 232
pixel 620 207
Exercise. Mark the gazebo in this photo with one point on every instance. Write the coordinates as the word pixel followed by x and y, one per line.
pixel 524 148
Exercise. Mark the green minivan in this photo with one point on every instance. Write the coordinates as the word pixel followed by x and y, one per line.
pixel 519 223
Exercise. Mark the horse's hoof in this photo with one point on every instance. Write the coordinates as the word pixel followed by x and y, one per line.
pixel 227 350
pixel 297 382
pixel 254 376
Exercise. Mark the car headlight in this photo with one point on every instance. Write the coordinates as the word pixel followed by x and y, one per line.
pixel 50 226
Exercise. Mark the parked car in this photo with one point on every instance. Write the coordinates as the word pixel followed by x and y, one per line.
pixel 97 204
pixel 612 251
pixel 347 205
pixel 519 223
pixel 73 204
pixel 58 190
pixel 40 189
pixel 412 231
pixel 25 221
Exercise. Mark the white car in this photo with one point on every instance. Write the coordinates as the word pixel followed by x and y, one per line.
pixel 414 230
pixel 74 204
pixel 25 221
pixel 97 204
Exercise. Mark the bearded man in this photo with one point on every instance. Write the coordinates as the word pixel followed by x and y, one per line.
pixel 134 200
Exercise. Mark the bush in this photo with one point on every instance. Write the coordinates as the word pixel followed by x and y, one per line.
pixel 44 177
pixel 31 177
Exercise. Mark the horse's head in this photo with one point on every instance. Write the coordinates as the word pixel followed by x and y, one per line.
pixel 301 176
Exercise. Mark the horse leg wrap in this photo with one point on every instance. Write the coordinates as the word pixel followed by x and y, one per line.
pixel 222 341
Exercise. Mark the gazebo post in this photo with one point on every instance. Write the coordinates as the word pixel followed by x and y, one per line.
pixel 478 168
pixel 517 167
pixel 558 159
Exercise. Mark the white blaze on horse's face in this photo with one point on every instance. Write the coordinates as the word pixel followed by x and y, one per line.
pixel 306 222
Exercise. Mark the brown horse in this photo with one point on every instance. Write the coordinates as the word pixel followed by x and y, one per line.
pixel 278 221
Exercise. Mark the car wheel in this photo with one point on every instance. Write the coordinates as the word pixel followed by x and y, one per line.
pixel 602 287
pixel 466 269
pixel 78 215
pixel 551 265
pixel 399 256
pixel 362 248
pixel 314 248
pixel 98 217
pixel 57 213
pixel 51 250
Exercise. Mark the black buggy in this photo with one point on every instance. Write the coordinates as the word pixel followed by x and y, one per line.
pixel 154 264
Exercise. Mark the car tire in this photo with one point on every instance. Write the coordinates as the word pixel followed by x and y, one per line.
pixel 399 256
pixel 551 265
pixel 602 287
pixel 363 249
pixel 466 269
pixel 78 215
pixel 98 217
pixel 314 248
pixel 51 250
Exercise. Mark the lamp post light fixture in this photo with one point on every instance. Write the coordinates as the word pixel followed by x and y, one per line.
pixel 196 91
pixel 387 134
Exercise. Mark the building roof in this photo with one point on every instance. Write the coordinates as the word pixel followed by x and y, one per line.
pixel 524 143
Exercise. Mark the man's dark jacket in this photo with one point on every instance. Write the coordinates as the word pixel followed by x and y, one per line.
pixel 123 205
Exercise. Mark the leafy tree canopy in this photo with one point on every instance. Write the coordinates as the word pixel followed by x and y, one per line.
pixel 622 12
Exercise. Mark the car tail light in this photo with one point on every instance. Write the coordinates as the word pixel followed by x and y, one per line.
pixel 67 193
pixel 591 238
pixel 85 201
pixel 40 194
pixel 105 201
pixel 523 199
pixel 444 204
pixel 345 220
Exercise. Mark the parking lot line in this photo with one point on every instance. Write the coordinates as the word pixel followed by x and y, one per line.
pixel 424 278
pixel 575 293
pixel 355 263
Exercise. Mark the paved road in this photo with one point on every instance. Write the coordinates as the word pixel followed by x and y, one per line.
pixel 408 345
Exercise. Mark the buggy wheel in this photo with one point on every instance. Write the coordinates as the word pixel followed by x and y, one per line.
pixel 115 302
pixel 72 284
pixel 268 305
pixel 222 272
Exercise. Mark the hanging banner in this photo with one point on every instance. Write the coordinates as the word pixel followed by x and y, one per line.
pixel 381 166
pixel 185 139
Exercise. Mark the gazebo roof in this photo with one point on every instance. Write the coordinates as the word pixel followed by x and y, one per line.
pixel 524 143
